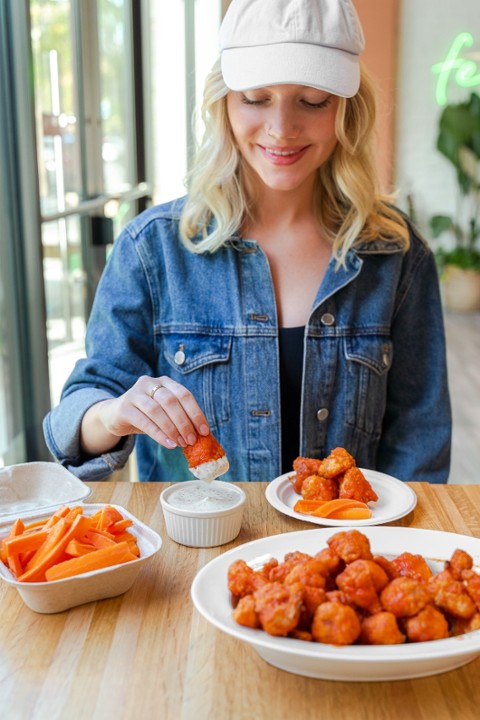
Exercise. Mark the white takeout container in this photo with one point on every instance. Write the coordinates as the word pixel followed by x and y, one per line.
pixel 203 528
pixel 59 595
pixel 35 486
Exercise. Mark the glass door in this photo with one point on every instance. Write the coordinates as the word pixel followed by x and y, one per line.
pixel 88 150
pixel 85 86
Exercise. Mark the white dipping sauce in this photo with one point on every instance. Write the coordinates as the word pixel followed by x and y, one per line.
pixel 203 496
pixel 210 470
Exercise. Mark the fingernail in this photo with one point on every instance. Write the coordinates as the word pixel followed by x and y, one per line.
pixel 204 430
pixel 170 443
pixel 191 439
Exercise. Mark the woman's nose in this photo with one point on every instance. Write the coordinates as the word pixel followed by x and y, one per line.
pixel 282 125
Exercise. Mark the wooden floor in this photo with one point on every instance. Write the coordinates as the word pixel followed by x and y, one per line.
pixel 463 352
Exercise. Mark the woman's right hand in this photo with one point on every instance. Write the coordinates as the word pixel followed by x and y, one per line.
pixel 158 407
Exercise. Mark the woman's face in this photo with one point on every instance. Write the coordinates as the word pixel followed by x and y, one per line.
pixel 284 132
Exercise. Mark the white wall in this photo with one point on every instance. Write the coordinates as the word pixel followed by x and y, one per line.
pixel 427 30
pixel 168 85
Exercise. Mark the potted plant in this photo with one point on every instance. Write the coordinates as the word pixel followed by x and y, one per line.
pixel 458 251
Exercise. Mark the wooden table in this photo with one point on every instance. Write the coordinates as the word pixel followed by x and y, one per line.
pixel 150 655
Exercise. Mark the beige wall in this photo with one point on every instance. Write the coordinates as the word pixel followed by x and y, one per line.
pixel 380 21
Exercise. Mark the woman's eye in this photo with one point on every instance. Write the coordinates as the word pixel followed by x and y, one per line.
pixel 249 101
pixel 306 103
pixel 318 106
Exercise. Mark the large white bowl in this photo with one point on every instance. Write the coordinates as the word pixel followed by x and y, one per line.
pixel 212 599
pixel 59 595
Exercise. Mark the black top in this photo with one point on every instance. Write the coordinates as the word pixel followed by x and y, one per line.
pixel 291 367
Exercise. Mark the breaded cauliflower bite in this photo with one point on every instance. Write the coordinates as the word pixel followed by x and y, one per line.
pixel 335 624
pixel 381 629
pixel 350 545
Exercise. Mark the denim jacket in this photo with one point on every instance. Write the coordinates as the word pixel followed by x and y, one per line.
pixel 374 375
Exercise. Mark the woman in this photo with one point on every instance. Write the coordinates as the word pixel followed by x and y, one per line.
pixel 283 305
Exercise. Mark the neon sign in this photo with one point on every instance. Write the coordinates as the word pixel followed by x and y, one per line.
pixel 466 71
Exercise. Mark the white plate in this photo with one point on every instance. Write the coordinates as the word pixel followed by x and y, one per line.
pixel 395 499
pixel 361 663
pixel 34 486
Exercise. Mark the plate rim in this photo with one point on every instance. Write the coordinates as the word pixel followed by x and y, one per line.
pixel 277 482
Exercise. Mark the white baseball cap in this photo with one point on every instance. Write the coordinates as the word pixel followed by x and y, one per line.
pixel 302 42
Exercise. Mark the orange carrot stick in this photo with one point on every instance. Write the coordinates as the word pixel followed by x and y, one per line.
pixel 54 546
pixel 72 514
pixel 113 555
pixel 99 539
pixel 120 526
pixel 327 508
pixel 14 549
pixel 351 514
pixel 15 565
pixel 33 526
pixel 105 517
pixel 127 536
pixel 25 542
pixel 26 557
pixel 53 519
pixel 75 548
pixel 17 529
pixel 308 506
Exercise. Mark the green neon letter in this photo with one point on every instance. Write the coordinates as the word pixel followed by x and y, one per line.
pixel 452 62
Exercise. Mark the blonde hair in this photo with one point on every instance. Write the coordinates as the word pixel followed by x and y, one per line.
pixel 349 208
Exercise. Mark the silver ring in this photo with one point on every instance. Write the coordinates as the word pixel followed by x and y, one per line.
pixel 154 390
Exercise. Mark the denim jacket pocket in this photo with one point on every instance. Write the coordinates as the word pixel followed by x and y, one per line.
pixel 368 359
pixel 199 361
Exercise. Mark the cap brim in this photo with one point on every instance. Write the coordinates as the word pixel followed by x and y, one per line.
pixel 330 69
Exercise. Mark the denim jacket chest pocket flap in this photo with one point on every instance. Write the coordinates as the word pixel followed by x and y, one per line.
pixel 186 352
pixel 368 360
pixel 374 351
pixel 200 362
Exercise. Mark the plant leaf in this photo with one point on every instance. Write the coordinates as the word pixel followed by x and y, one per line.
pixel 440 224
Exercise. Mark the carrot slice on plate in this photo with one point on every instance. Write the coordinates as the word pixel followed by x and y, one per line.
pixel 351 514
pixel 330 506
pixel 308 506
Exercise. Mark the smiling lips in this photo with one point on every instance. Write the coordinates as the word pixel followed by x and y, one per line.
pixel 283 156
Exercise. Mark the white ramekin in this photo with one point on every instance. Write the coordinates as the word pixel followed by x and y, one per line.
pixel 197 528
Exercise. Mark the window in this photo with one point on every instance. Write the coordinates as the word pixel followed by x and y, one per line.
pixel 108 127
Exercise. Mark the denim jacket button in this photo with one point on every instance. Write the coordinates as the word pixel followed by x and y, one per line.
pixel 179 357
pixel 327 319
pixel 322 414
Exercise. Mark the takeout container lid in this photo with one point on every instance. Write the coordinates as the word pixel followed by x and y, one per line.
pixel 59 595
pixel 196 528
pixel 29 487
